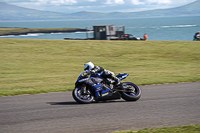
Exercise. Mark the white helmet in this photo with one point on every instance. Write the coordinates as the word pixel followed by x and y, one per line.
pixel 88 66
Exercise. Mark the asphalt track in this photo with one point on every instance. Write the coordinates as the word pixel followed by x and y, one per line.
pixel 160 106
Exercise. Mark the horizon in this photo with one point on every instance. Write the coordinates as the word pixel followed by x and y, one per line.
pixel 99 6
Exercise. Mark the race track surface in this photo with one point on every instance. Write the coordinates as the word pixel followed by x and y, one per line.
pixel 159 106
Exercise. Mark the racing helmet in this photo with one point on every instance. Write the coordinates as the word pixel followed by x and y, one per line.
pixel 88 66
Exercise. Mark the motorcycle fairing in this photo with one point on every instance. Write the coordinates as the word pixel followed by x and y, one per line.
pixel 122 75
pixel 95 83
pixel 81 76
pixel 115 95
pixel 101 92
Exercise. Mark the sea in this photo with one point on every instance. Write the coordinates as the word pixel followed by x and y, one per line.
pixel 165 29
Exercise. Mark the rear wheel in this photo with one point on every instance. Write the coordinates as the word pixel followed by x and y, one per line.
pixel 82 95
pixel 132 92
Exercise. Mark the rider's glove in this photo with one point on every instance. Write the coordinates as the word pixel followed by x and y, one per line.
pixel 92 72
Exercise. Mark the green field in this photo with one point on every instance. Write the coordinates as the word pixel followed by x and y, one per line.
pixel 31 66
pixel 181 129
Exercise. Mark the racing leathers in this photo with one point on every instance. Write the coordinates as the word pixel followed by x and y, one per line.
pixel 105 73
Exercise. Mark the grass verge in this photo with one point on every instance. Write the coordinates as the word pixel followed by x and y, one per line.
pixel 30 66
pixel 181 129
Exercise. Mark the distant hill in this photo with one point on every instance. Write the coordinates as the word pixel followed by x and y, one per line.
pixel 13 13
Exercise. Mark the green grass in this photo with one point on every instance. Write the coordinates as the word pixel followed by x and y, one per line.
pixel 29 66
pixel 181 129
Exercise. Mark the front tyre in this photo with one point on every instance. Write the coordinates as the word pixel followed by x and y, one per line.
pixel 82 95
pixel 132 92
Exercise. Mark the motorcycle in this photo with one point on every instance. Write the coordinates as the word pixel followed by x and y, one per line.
pixel 90 87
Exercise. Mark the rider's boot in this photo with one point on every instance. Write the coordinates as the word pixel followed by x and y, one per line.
pixel 117 84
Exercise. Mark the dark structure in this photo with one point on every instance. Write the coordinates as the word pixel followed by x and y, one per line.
pixel 107 32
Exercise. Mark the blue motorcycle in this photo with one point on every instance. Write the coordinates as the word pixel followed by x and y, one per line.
pixel 90 87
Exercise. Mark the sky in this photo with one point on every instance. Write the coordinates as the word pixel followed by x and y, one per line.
pixel 105 6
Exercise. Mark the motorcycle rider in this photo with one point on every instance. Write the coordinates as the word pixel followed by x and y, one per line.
pixel 105 73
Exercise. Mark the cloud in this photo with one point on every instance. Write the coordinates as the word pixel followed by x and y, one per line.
pixel 57 2
pixel 43 2
pixel 159 1
pixel 71 6
pixel 91 0
pixel 149 2
pixel 137 2
pixel 119 1
pixel 110 2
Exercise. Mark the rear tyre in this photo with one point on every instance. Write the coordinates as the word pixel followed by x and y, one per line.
pixel 82 97
pixel 133 93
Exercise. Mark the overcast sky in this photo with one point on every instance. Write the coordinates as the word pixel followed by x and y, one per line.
pixel 71 6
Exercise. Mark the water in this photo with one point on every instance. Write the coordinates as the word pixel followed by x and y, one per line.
pixel 173 29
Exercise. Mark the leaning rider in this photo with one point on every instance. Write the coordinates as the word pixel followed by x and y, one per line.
pixel 105 73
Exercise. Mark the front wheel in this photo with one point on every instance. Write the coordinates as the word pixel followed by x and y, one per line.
pixel 132 92
pixel 82 95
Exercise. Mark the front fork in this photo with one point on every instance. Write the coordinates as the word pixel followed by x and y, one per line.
pixel 83 89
